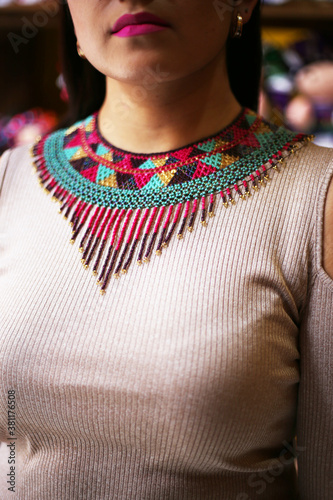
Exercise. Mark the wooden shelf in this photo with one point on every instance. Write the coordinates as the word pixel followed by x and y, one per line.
pixel 299 13
pixel 11 16
pixel 29 56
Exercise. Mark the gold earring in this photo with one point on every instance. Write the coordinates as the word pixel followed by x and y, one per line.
pixel 238 27
pixel 80 51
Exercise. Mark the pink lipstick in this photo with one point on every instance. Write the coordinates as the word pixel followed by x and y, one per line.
pixel 138 24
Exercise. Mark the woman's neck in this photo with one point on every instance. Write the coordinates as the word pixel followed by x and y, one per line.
pixel 156 115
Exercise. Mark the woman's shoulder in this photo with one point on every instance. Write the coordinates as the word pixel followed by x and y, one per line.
pixel 314 167
pixel 313 155
pixel 15 154
pixel 15 160
pixel 310 169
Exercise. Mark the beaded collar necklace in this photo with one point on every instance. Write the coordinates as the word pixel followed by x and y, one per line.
pixel 122 206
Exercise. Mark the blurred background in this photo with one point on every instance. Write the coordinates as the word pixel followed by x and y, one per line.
pixel 297 79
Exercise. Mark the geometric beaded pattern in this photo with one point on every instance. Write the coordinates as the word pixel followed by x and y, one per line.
pixel 122 207
pixel 83 163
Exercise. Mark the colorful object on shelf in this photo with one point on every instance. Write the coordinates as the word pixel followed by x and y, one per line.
pixel 101 187
pixel 316 81
pixel 300 113
pixel 298 81
pixel 62 87
pixel 23 128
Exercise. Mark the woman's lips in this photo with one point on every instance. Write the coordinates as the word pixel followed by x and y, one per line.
pixel 137 24
pixel 138 29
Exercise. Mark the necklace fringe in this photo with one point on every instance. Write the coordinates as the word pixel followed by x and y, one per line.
pixel 109 239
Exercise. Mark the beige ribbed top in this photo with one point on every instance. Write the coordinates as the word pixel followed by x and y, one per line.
pixel 191 375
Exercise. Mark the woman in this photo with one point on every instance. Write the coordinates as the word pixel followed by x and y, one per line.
pixel 191 376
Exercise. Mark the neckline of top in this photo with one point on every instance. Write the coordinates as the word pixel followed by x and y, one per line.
pixel 222 132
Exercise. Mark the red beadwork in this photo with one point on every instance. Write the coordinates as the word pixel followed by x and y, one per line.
pixel 105 221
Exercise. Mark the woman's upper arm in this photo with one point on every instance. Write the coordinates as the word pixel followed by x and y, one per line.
pixel 315 396
pixel 328 233
pixel 3 167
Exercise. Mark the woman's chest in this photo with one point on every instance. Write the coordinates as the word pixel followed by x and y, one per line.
pixel 199 341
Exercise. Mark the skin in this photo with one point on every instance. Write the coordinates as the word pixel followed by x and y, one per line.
pixel 164 89
pixel 169 88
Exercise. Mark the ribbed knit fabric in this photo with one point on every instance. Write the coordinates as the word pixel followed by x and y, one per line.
pixel 189 378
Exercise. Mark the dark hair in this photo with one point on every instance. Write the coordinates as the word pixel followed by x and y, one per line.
pixel 86 85
pixel 244 62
